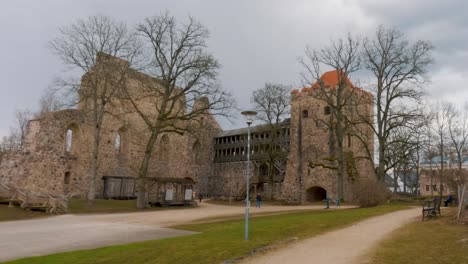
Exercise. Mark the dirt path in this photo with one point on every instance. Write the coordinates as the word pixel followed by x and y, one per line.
pixel 72 232
pixel 344 246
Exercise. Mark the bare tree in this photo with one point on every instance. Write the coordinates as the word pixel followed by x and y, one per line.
pixel 343 57
pixel 458 136
pixel 50 101
pixel 398 68
pixel 22 117
pixel 87 47
pixel 184 86
pixel 441 114
pixel 272 104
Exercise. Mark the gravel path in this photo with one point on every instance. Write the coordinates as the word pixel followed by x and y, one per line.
pixel 344 246
pixel 72 232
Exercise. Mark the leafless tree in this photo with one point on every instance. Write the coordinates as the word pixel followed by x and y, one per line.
pixel 442 112
pixel 50 101
pixel 184 85
pixel 458 136
pixel 272 103
pixel 398 69
pixel 342 56
pixel 85 47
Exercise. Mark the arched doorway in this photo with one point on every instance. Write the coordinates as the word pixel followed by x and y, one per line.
pixel 316 194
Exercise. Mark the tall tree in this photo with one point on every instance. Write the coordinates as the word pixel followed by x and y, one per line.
pixel 441 114
pixel 272 104
pixel 398 69
pixel 85 47
pixel 184 86
pixel 458 136
pixel 343 57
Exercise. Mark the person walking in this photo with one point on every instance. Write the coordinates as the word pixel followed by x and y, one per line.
pixel 259 200
pixel 200 197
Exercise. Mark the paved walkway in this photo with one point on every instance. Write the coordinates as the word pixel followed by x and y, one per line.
pixel 344 246
pixel 73 232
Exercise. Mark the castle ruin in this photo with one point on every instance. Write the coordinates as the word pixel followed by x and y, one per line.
pixel 56 154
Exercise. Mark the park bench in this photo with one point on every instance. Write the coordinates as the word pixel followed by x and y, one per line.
pixel 431 208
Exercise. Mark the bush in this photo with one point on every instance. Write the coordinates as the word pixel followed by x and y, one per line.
pixel 370 193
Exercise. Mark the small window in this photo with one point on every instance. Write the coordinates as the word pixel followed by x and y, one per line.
pixel 66 178
pixel 326 110
pixel 427 188
pixel 434 187
pixel 441 187
pixel 305 113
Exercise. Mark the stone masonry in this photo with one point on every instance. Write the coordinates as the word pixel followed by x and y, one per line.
pixel 56 156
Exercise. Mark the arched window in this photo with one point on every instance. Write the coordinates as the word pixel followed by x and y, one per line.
pixel 326 110
pixel 72 137
pixel 68 140
pixel 117 143
pixel 305 113
pixel 196 152
pixel 164 148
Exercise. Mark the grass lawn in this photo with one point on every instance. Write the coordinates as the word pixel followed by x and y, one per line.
pixel 264 202
pixel 441 241
pixel 219 241
pixel 15 213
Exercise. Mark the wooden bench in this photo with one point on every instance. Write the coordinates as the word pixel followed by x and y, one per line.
pixel 431 208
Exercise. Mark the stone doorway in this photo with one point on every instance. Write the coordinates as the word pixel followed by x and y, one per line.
pixel 316 194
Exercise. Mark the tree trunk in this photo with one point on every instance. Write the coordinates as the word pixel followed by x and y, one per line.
pixel 94 165
pixel 461 200
pixel 142 174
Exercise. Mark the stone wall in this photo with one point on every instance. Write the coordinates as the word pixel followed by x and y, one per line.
pixel 57 152
pixel 310 139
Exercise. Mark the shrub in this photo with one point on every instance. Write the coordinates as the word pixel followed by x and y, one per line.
pixel 370 192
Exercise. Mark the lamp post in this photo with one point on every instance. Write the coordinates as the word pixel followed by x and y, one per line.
pixel 249 118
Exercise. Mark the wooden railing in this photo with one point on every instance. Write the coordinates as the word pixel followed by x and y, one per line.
pixel 5 191
pixel 28 199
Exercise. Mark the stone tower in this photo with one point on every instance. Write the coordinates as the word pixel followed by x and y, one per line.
pixel 311 139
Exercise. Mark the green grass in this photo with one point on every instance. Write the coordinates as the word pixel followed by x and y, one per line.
pixel 441 241
pixel 219 241
pixel 15 213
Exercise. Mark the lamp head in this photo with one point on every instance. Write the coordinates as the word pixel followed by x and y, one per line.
pixel 249 116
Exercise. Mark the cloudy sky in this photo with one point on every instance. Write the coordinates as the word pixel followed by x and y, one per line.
pixel 255 41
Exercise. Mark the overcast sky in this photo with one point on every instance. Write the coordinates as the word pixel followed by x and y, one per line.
pixel 255 41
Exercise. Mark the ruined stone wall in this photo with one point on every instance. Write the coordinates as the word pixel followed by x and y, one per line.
pixel 48 165
pixel 44 161
pixel 231 179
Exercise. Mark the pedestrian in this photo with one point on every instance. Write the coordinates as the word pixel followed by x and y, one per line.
pixel 259 200
pixel 449 200
pixel 200 197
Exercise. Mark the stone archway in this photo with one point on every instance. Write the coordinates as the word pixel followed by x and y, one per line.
pixel 316 194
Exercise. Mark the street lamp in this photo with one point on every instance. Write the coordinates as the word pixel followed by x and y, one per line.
pixel 249 118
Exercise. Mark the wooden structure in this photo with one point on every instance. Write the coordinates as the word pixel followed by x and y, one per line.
pixel 162 191
pixel 231 146
pixel 32 200
pixel 119 187
pixel 166 191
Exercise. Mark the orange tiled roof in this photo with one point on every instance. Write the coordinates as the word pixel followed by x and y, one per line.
pixel 331 79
